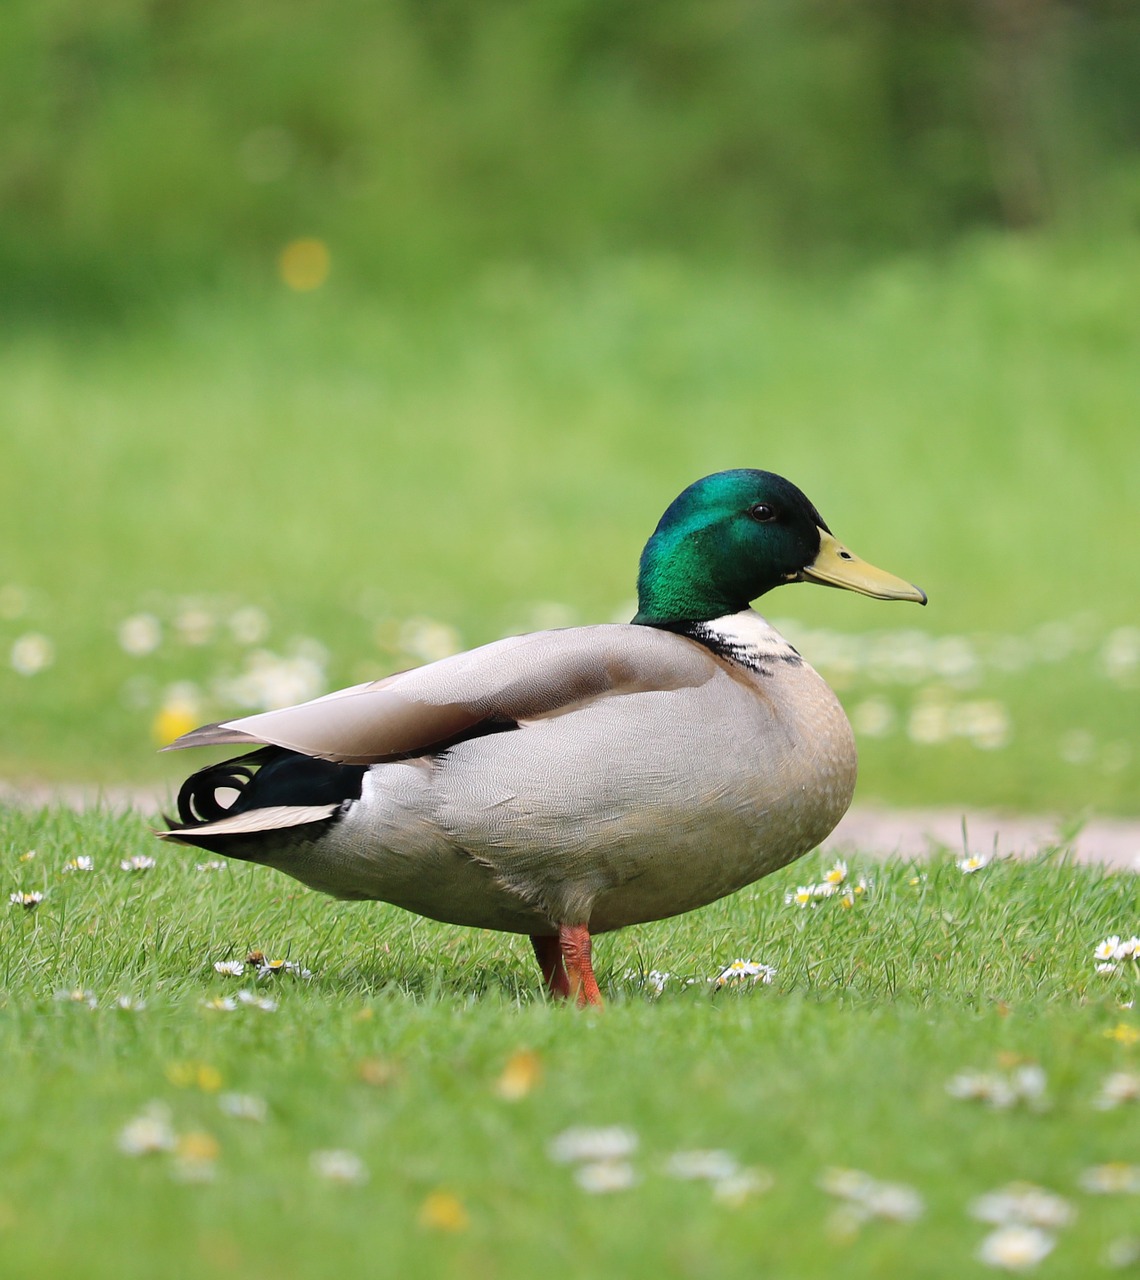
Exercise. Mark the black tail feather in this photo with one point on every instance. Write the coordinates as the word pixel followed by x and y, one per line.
pixel 269 776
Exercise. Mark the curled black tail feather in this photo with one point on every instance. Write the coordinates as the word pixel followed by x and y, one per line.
pixel 270 776
pixel 197 798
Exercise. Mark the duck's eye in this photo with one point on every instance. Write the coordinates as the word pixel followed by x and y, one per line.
pixel 762 512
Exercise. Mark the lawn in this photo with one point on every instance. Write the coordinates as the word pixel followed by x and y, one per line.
pixel 427 1060
pixel 249 499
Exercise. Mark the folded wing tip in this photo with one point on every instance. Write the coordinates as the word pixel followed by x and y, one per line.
pixel 210 735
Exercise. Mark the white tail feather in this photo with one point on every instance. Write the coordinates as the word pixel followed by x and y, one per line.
pixel 274 818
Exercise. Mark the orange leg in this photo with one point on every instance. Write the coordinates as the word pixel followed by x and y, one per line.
pixel 574 941
pixel 548 952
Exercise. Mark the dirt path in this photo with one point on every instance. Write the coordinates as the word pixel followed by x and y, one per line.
pixel 866 829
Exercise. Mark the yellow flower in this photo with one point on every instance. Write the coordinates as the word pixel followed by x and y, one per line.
pixel 1123 1033
pixel 522 1072
pixel 442 1211
pixel 189 1075
pixel 304 264
pixel 172 722
pixel 197 1145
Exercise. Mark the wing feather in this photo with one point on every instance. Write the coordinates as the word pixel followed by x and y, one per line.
pixel 521 678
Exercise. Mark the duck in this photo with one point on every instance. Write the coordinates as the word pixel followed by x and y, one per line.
pixel 566 783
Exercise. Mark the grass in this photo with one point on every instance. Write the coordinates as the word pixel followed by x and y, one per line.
pixel 346 464
pixel 393 1051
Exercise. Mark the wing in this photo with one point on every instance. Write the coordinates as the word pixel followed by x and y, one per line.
pixel 521 678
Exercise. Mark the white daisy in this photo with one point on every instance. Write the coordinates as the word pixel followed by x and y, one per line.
pixel 870 1198
pixel 130 1004
pixel 893 1201
pixel 252 999
pixel 1023 1204
pixel 244 1106
pixel 140 862
pixel 740 971
pixel 1015 1248
pixel 148 1132
pixel 1119 1087
pixel 1106 950
pixel 982 1086
pixel 606 1176
pixel 707 1166
pixel 1113 1178
pixel 339 1166
pixel 803 896
pixel 974 862
pixel 741 1186
pixel 214 864
pixel 595 1145
pixel 82 863
pixel 231 968
pixel 76 995
pixel 836 874
pixel 29 900
pixel 140 634
pixel 271 968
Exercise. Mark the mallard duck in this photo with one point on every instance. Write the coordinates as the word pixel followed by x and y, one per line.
pixel 565 783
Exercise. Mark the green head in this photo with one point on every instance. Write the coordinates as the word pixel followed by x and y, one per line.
pixel 729 538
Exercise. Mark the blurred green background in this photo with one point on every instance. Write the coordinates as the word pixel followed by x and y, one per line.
pixel 333 337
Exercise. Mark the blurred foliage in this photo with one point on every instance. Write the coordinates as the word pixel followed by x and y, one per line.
pixel 149 145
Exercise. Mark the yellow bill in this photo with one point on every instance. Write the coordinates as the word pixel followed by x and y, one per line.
pixel 835 566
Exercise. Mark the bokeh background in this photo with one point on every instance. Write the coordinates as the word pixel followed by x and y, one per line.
pixel 333 338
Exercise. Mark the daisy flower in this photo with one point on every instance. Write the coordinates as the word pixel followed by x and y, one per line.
pixel 29 899
pixel 870 1198
pixel 606 1176
pixel 1023 1204
pixel 213 865
pixel 974 862
pixel 230 968
pixel 982 1086
pixel 148 1132
pixel 739 971
pixel 339 1166
pixel 1121 1086
pixel 253 1000
pixel 594 1145
pixel 702 1166
pixel 803 896
pixel 836 874
pixel 1025 1084
pixel 742 1185
pixel 140 862
pixel 195 1155
pixel 1106 950
pixel 244 1106
pixel 1015 1248
pixel 130 1004
pixel 272 968
pixel 82 863
pixel 76 995
pixel 1114 1178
